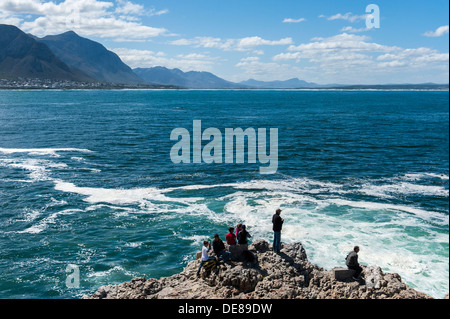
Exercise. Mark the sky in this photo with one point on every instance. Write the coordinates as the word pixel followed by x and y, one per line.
pixel 323 41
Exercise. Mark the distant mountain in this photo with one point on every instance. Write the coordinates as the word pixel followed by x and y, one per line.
pixel 22 56
pixel 407 86
pixel 288 84
pixel 91 57
pixel 189 80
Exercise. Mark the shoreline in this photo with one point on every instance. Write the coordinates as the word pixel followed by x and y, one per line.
pixel 287 275
pixel 245 90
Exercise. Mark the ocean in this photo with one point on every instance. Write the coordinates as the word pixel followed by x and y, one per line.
pixel 87 183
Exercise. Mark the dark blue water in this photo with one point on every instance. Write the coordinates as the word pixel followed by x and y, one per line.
pixel 86 178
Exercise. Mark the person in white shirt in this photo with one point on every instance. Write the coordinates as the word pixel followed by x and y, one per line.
pixel 205 257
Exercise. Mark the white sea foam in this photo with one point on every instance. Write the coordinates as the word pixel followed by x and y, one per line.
pixel 30 215
pixel 42 151
pixel 43 224
pixel 118 196
pixel 133 244
pixel 38 169
pixel 440 218
pixel 111 271
pixel 322 215
pixel 404 188
pixel 196 240
pixel 419 176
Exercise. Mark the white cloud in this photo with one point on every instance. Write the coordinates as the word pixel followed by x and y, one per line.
pixel 127 7
pixel 254 68
pixel 347 17
pixel 438 32
pixel 416 58
pixel 130 8
pixel 250 42
pixel 105 19
pixel 341 42
pixel 288 56
pixel 290 20
pixel 354 30
pixel 158 13
pixel 356 58
pixel 147 59
pixel 196 56
pixel 10 19
pixel 243 44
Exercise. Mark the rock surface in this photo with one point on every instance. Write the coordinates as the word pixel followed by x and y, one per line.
pixel 288 275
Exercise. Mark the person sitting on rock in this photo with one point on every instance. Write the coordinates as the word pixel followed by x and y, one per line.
pixel 352 262
pixel 231 237
pixel 205 258
pixel 219 249
pixel 243 236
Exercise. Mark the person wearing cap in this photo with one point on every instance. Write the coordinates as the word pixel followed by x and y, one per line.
pixel 277 222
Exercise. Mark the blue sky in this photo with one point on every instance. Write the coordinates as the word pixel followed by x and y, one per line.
pixel 317 41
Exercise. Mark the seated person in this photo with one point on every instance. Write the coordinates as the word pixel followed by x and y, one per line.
pixel 205 258
pixel 219 249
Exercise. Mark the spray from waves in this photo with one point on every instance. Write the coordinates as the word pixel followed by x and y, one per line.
pixel 42 151
pixel 38 168
pixel 326 217
pixel 399 238
pixel 44 223
pixel 118 196
pixel 419 176
pixel 403 188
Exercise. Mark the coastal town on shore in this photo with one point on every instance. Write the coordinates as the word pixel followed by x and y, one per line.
pixel 53 84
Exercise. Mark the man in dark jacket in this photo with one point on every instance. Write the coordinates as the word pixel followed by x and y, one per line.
pixel 243 236
pixel 219 248
pixel 277 222
pixel 352 262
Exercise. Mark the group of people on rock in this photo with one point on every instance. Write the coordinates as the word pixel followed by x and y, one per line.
pixel 240 235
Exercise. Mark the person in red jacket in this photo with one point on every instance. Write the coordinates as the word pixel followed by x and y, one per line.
pixel 231 237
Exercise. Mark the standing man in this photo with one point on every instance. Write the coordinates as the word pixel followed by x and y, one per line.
pixel 277 222
pixel 352 262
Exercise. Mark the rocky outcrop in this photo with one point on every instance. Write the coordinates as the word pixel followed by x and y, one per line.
pixel 287 275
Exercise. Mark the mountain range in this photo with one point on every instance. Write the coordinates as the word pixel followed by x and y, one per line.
pixel 288 84
pixel 22 56
pixel 190 80
pixel 70 57
pixel 91 58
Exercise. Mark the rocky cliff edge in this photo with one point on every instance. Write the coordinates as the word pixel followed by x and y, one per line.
pixel 287 275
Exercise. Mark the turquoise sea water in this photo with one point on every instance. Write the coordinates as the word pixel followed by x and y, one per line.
pixel 86 179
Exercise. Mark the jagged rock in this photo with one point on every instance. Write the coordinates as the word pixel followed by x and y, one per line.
pixel 342 274
pixel 260 246
pixel 287 275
